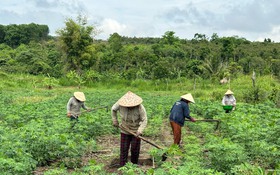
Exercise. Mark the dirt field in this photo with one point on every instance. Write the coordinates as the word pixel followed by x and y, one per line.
pixel 109 148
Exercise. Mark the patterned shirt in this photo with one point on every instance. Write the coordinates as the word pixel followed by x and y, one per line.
pixel 74 106
pixel 133 118
pixel 229 100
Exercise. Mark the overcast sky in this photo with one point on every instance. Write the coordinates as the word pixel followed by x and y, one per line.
pixel 251 19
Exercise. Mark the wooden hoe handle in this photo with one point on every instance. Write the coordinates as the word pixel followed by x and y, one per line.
pixel 209 120
pixel 142 138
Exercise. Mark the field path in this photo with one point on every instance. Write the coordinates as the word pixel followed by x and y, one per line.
pixel 109 147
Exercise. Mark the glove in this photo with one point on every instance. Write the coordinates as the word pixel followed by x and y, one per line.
pixel 68 114
pixel 116 123
pixel 192 119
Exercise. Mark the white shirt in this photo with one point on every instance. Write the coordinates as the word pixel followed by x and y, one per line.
pixel 229 100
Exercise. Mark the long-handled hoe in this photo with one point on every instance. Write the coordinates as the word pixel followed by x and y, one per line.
pixel 164 157
pixel 93 109
pixel 209 120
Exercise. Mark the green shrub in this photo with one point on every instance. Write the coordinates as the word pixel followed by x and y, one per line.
pixel 257 95
pixel 57 171
pixel 224 154
pixel 131 169
pixel 247 169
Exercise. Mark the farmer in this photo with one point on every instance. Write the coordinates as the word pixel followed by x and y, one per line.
pixel 229 100
pixel 133 116
pixel 74 105
pixel 179 111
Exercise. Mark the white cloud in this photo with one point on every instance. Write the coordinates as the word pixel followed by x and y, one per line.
pixel 109 26
pixel 250 19
pixel 274 35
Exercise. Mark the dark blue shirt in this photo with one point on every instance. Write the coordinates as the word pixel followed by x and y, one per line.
pixel 179 111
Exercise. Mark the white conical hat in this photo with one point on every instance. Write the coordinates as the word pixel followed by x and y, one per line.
pixel 130 99
pixel 229 92
pixel 80 96
pixel 188 97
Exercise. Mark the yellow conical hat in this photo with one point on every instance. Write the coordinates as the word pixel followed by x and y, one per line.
pixel 188 97
pixel 130 99
pixel 80 96
pixel 229 92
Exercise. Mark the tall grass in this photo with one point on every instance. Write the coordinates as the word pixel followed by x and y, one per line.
pixel 242 86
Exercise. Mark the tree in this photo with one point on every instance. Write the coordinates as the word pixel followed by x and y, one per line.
pixel 32 59
pixel 6 53
pixel 115 42
pixel 227 49
pixel 214 38
pixel 169 38
pixel 200 37
pixel 275 64
pixel 74 40
pixel 195 70
pixel 14 35
pixel 2 33
pixel 162 69
pixel 268 40
pixel 213 67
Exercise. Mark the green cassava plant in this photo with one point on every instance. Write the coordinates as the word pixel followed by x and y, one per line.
pixel 131 169
pixel 49 82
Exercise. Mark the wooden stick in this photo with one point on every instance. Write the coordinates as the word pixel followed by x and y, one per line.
pixel 163 157
pixel 101 151
pixel 93 109
pixel 142 138
pixel 208 120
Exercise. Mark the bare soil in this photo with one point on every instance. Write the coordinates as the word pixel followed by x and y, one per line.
pixel 109 148
pixel 110 145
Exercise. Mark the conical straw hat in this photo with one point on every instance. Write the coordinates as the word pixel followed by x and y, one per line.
pixel 229 92
pixel 188 97
pixel 130 99
pixel 80 96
